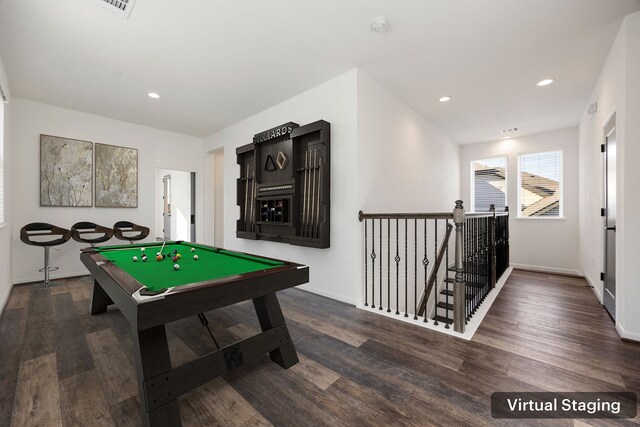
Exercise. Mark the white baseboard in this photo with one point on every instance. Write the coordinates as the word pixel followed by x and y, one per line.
pixel 5 300
pixel 330 295
pixel 593 286
pixel 470 328
pixel 635 336
pixel 40 277
pixel 544 269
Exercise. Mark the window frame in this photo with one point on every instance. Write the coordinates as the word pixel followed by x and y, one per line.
pixel 519 215
pixel 473 179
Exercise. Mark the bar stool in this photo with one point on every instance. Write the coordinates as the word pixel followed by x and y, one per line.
pixel 90 232
pixel 34 234
pixel 122 227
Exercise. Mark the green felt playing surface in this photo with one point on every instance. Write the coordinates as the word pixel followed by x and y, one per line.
pixel 158 275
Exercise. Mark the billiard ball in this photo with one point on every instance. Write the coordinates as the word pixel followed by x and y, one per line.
pixel 176 266
pixel 159 258
pixel 144 258
pixel 142 249
pixel 193 249
pixel 195 257
pixel 174 259
pixel 178 256
pixel 135 258
pixel 175 251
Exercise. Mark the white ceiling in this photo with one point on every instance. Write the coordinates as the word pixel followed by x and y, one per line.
pixel 216 62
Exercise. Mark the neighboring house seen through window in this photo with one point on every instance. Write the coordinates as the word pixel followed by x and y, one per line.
pixel 489 184
pixel 540 184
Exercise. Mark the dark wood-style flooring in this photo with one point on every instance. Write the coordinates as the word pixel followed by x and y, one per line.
pixel 61 366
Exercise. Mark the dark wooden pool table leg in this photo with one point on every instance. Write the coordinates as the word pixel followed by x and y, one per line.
pixel 270 315
pixel 99 299
pixel 151 355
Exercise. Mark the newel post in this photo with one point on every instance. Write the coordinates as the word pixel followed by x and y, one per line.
pixel 458 286
pixel 492 245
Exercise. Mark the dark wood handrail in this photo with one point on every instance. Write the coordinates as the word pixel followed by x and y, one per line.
pixel 434 271
pixel 438 215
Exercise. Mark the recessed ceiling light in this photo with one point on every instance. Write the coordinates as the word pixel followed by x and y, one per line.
pixel 545 82
pixel 379 24
pixel 153 95
pixel 444 99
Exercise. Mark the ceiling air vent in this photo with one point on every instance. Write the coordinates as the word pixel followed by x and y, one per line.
pixel 119 7
pixel 509 130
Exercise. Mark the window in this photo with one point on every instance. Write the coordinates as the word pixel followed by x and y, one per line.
pixel 540 184
pixel 1 157
pixel 489 184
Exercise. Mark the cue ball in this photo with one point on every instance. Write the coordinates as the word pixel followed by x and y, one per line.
pixel 142 249
pixel 176 267
pixel 193 249
pixel 195 257
pixel 135 258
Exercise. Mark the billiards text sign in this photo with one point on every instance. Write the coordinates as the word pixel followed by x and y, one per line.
pixel 276 132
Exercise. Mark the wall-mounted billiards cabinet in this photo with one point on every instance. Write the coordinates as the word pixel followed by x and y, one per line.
pixel 285 184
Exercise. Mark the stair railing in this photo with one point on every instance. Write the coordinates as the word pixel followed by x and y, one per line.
pixel 394 276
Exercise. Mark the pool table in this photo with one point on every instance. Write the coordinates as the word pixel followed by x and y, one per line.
pixel 152 293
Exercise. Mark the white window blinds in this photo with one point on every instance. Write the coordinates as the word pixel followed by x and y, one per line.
pixel 489 184
pixel 540 186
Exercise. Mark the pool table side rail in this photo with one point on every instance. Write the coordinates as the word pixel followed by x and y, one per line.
pixel 205 296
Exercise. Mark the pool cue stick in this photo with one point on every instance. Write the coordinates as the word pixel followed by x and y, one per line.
pixel 246 195
pixel 253 201
pixel 304 192
pixel 162 248
pixel 313 191
pixel 317 226
pixel 205 323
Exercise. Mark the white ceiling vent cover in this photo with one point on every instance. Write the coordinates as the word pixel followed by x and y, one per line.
pixel 119 7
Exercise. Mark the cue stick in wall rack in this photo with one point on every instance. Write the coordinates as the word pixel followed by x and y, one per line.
pixel 304 191
pixel 313 192
pixel 307 191
pixel 246 196
pixel 253 200
pixel 317 226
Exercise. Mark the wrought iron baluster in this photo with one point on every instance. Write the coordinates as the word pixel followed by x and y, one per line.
pixel 425 264
pixel 435 285
pixel 388 265
pixel 406 258
pixel 446 282
pixel 397 260
pixel 415 268
pixel 366 263
pixel 373 263
pixel 380 264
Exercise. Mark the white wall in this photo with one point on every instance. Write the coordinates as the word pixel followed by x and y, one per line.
pixel 5 229
pixel 332 270
pixel 180 204
pixel 384 156
pixel 543 244
pixel 156 149
pixel 617 90
pixel 405 163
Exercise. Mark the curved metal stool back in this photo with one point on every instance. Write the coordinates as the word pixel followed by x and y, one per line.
pixel 35 234
pixel 122 227
pixel 90 232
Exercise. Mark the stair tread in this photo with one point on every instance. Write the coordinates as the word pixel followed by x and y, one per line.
pixel 443 319
pixel 443 304
pixel 472 284
pixel 450 293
